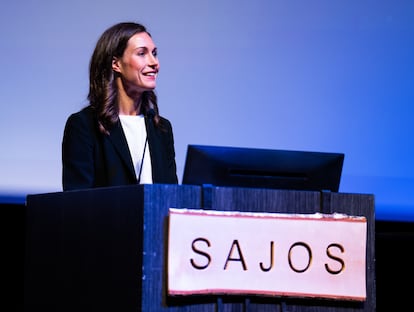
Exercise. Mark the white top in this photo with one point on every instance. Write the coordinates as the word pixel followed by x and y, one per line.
pixel 136 135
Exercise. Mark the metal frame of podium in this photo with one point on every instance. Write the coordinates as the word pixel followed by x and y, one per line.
pixel 105 249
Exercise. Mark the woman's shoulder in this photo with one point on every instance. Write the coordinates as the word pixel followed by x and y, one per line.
pixel 165 121
pixel 86 111
pixel 86 114
pixel 84 118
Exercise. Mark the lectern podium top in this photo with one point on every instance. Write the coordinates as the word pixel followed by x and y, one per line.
pixel 262 168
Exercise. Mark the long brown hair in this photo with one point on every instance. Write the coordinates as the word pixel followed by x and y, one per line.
pixel 102 88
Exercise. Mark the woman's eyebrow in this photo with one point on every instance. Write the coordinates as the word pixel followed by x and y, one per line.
pixel 145 48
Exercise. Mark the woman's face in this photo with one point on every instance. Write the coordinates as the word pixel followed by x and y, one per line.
pixel 138 65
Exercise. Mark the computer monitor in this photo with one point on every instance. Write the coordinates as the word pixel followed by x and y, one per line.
pixel 262 168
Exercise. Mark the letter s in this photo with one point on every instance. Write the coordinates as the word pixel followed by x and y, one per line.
pixel 200 252
pixel 330 255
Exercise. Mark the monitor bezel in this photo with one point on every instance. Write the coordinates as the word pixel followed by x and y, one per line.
pixel 262 168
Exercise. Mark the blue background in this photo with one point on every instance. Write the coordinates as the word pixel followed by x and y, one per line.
pixel 334 76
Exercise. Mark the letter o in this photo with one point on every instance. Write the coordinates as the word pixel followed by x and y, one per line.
pixel 308 249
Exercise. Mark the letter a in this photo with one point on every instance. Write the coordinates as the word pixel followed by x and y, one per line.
pixel 240 258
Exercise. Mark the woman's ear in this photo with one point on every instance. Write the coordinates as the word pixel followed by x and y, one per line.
pixel 115 65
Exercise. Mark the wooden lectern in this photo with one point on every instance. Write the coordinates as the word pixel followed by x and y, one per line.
pixel 105 249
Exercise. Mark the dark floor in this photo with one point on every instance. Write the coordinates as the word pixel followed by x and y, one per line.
pixel 394 265
pixel 394 261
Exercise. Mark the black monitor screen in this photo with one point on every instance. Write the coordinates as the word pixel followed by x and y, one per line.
pixel 262 168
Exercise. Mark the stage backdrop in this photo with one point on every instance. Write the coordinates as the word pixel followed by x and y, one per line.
pixel 334 76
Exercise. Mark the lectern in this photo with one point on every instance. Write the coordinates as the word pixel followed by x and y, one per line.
pixel 105 249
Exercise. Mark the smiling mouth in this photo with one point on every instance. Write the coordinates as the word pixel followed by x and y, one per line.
pixel 150 74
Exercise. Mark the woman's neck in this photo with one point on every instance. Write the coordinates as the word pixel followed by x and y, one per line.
pixel 127 105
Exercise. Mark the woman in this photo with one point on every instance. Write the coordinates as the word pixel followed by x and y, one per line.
pixel 120 138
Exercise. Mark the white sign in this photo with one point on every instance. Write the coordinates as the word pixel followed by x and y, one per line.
pixel 269 254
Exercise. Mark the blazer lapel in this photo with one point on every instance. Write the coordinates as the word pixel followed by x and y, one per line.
pixel 118 140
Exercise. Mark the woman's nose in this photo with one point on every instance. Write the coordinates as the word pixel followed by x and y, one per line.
pixel 153 61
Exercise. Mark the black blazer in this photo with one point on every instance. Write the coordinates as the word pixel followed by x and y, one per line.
pixel 91 159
